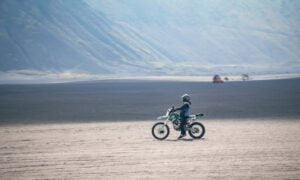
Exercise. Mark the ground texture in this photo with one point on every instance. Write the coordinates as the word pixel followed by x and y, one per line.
pixel 231 149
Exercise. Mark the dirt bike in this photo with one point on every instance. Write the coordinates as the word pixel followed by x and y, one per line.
pixel 161 130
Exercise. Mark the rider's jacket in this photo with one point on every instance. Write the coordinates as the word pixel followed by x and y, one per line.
pixel 184 109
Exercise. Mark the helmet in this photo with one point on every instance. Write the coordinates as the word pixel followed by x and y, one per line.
pixel 186 98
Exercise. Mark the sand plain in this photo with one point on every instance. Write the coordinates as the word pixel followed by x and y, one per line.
pixel 230 149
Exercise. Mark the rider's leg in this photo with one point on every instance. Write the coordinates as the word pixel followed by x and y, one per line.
pixel 182 124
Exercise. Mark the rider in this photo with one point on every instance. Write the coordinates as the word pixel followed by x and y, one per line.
pixel 184 113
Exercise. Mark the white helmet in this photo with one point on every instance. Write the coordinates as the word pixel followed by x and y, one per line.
pixel 186 98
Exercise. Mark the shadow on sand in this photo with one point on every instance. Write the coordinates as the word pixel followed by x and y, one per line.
pixel 188 140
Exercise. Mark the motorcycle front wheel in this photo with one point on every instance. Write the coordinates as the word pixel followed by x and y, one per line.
pixel 196 130
pixel 160 131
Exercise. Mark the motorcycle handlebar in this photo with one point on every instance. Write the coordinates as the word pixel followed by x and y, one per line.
pixel 172 109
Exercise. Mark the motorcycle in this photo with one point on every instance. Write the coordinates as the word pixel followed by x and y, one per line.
pixel 161 130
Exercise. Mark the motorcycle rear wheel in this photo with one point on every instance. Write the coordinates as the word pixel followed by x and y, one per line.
pixel 160 131
pixel 196 130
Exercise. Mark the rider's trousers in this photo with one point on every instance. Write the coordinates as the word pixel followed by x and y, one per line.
pixel 182 124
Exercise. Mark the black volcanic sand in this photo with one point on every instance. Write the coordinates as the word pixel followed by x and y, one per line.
pixel 145 100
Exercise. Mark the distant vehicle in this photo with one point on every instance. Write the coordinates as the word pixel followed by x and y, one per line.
pixel 245 77
pixel 217 79
pixel 161 130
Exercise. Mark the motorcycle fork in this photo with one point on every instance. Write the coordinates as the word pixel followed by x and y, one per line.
pixel 166 122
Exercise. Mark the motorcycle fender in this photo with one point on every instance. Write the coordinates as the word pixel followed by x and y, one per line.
pixel 162 117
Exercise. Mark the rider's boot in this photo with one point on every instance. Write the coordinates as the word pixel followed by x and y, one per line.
pixel 181 136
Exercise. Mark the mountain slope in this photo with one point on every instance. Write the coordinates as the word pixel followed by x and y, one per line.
pixel 60 35
pixel 130 37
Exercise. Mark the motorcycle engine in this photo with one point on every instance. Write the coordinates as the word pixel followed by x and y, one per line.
pixel 176 124
pixel 175 118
